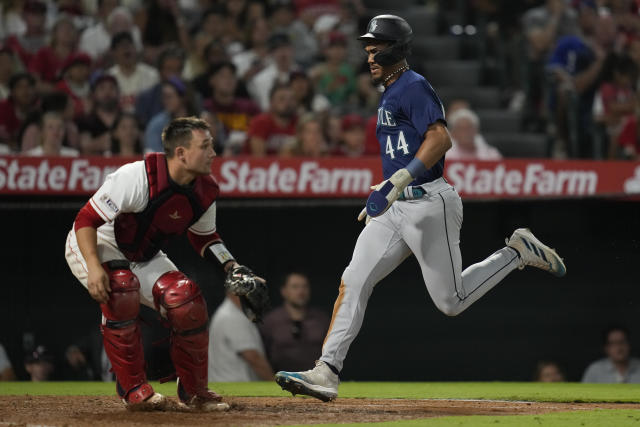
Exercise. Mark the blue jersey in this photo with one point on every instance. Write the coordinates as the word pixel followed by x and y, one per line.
pixel 407 108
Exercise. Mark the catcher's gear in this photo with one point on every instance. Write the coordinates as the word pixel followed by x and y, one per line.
pixel 186 310
pixel 387 192
pixel 390 28
pixel 120 331
pixel 252 290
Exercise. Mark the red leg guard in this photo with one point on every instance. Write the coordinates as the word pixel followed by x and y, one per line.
pixel 186 311
pixel 120 331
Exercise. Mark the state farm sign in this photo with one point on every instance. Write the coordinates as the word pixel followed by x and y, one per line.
pixel 246 177
pixel 534 179
pixel 31 175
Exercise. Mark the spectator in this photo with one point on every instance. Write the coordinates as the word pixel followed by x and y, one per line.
pixel 236 352
pixel 86 360
pixel 215 53
pixel 48 62
pixel 52 135
pixel 56 102
pixel 126 136
pixel 255 57
pixel 6 371
pixel 176 102
pixel 95 138
pixel 149 102
pixel 615 100
pixel 310 141
pixel 75 82
pixel 542 26
pixel 353 137
pixel 234 112
pixel 7 69
pixel 277 72
pixel 618 366
pixel 305 44
pixel 14 110
pixel 196 61
pixel 307 100
pixel 335 78
pixel 468 143
pixel 96 40
pixel 132 75
pixel 34 38
pixel 294 332
pixel 40 364
pixel 163 26
pixel 548 371
pixel 575 66
pixel 273 131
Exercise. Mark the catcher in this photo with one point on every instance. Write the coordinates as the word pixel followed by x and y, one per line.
pixel 114 249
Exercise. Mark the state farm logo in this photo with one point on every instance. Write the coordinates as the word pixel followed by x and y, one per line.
pixel 24 175
pixel 306 177
pixel 534 180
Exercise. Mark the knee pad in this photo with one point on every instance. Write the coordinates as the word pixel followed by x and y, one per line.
pixel 124 298
pixel 179 298
pixel 121 334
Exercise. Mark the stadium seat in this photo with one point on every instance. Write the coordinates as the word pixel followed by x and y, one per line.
pixel 515 144
pixel 453 73
pixel 499 120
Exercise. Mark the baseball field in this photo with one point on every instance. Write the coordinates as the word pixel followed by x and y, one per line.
pixel 359 403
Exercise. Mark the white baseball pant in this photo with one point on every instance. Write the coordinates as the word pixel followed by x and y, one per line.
pixel 429 228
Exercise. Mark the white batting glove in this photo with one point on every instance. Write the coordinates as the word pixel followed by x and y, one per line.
pixel 387 192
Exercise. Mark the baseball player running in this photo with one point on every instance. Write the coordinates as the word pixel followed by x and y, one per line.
pixel 414 210
pixel 114 251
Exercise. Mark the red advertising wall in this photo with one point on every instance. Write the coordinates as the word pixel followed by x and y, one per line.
pixel 246 177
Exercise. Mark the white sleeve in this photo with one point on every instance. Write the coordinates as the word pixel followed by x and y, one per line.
pixel 207 223
pixel 125 190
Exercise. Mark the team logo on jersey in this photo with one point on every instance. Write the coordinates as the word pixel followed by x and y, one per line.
pixel 109 203
pixel 373 26
pixel 175 215
pixel 385 117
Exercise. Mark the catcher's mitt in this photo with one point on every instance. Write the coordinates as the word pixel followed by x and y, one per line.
pixel 252 290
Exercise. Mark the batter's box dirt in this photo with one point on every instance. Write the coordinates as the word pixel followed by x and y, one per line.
pixel 98 411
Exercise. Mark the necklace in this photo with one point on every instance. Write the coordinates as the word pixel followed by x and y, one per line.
pixel 398 71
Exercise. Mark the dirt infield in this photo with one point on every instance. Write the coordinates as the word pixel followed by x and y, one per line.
pixel 260 411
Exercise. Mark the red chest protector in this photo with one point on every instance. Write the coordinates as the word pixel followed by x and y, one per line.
pixel 170 211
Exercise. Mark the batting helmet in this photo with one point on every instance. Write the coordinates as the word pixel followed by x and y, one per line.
pixel 390 28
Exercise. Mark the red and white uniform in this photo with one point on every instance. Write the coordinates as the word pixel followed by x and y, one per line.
pixel 136 210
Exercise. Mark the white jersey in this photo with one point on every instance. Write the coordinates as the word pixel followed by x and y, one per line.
pixel 127 190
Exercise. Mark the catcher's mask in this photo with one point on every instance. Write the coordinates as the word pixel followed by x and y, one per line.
pixel 389 28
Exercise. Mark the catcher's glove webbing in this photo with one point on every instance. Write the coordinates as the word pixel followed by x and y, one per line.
pixel 252 290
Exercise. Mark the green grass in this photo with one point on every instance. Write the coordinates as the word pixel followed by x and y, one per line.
pixel 595 418
pixel 541 392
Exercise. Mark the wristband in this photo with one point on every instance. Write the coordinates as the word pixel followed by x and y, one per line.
pixel 222 254
pixel 416 167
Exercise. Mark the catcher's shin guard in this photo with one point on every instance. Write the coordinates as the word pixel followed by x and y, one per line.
pixel 180 300
pixel 121 333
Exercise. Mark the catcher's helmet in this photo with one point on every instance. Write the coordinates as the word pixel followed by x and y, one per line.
pixel 390 28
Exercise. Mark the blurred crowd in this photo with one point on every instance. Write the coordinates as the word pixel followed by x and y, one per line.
pixel 570 67
pixel 103 77
pixel 288 77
